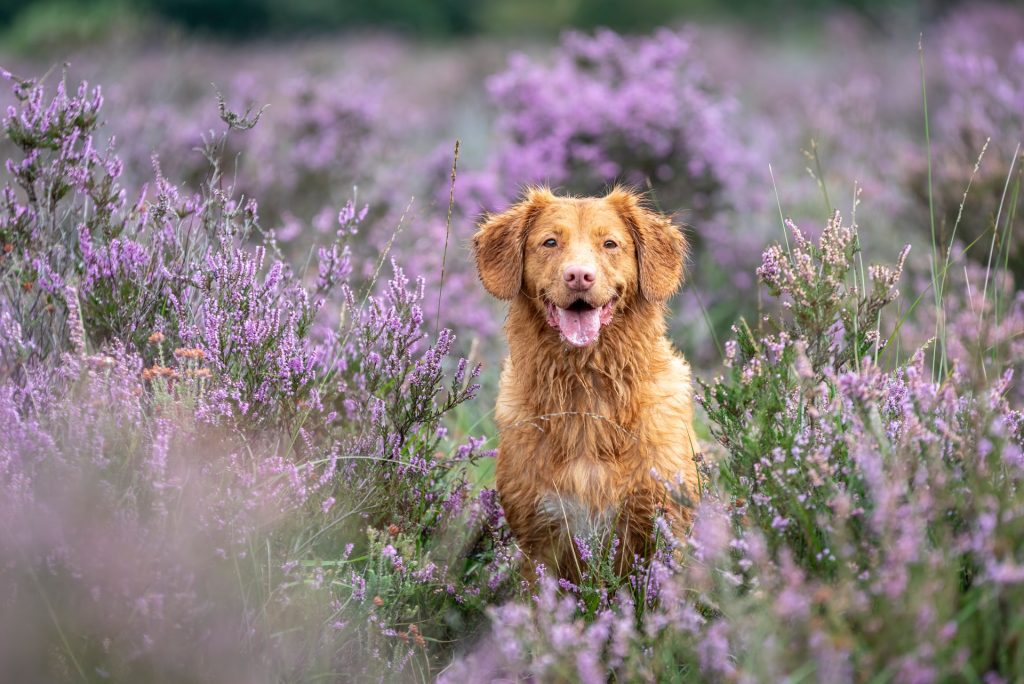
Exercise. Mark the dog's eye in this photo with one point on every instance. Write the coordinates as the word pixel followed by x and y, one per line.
pixel 610 244
pixel 551 242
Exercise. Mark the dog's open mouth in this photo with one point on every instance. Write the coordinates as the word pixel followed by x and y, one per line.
pixel 581 322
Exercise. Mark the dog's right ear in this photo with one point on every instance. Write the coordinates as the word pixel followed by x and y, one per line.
pixel 498 244
pixel 661 247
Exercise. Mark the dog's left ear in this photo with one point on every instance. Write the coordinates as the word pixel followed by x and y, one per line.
pixel 498 244
pixel 661 247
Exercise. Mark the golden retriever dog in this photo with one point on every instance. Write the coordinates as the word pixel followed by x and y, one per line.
pixel 595 408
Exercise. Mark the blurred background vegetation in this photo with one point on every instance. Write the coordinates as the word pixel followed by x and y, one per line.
pixel 34 25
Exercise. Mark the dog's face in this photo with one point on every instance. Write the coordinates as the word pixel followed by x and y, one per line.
pixel 580 262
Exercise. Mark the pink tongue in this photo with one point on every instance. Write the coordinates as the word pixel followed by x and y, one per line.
pixel 580 328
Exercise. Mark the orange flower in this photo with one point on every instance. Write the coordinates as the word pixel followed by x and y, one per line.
pixel 156 338
pixel 159 371
pixel 193 353
pixel 417 638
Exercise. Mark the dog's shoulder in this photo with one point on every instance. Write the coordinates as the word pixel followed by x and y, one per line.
pixel 668 410
pixel 511 401
pixel 670 379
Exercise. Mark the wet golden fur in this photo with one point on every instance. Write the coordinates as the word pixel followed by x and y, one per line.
pixel 582 429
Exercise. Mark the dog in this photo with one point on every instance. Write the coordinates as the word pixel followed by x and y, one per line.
pixel 595 408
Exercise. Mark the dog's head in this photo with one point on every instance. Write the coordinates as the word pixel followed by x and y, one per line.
pixel 580 261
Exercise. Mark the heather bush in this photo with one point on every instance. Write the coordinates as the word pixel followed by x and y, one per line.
pixel 833 329
pixel 169 264
pixel 873 488
pixel 978 126
pixel 644 111
pixel 338 123
pixel 323 131
pixel 202 478
pixel 978 325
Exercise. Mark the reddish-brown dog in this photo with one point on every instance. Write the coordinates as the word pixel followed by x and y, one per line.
pixel 595 407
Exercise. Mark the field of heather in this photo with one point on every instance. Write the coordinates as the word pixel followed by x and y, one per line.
pixel 247 370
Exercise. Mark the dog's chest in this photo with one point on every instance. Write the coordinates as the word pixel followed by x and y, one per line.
pixel 576 517
pixel 581 498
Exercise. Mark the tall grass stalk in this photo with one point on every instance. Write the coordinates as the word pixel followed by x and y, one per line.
pixel 782 218
pixel 447 233
pixel 940 325
pixel 1007 240
pixel 995 228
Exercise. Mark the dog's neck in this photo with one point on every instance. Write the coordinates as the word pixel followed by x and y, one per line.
pixel 560 377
